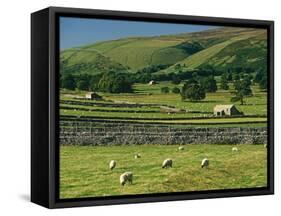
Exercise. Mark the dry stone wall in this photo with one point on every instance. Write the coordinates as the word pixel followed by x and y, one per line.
pixel 75 133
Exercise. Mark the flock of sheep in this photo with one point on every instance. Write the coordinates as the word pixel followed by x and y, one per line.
pixel 127 177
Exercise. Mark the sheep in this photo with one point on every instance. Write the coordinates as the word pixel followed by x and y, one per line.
pixel 126 177
pixel 234 149
pixel 112 164
pixel 167 163
pixel 205 163
pixel 180 148
pixel 137 156
pixel 265 146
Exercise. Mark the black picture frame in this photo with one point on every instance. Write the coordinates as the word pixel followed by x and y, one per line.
pixel 45 107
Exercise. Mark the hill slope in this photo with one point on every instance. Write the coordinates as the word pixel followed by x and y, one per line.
pixel 78 61
pixel 221 48
pixel 249 49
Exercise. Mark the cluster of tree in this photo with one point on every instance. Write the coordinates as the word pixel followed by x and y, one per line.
pixel 180 73
pixel 226 77
pixel 145 74
pixel 193 91
pixel 108 82
pixel 242 89
pixel 165 90
pixel 153 68
pixel 114 83
pixel 194 88
pixel 174 90
pixel 209 84
pixel 190 47
pixel 261 78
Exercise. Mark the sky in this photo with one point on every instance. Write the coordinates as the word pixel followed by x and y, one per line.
pixel 82 31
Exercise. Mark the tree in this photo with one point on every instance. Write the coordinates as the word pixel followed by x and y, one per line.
pixel 226 76
pixel 209 84
pixel 224 84
pixel 114 83
pixel 242 90
pixel 176 90
pixel 261 78
pixel 83 85
pixel 94 81
pixel 165 90
pixel 176 79
pixel 263 83
pixel 236 77
pixel 193 91
pixel 195 75
pixel 83 82
pixel 121 85
pixel 68 82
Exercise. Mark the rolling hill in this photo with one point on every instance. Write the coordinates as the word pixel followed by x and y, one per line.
pixel 221 48
pixel 90 61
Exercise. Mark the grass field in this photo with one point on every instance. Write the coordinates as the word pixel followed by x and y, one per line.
pixel 84 171
pixel 116 126
pixel 255 108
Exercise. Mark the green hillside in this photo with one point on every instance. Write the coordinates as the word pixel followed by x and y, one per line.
pixel 220 48
pixel 79 61
pixel 246 50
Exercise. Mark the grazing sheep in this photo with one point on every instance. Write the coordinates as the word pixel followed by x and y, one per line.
pixel 126 177
pixel 112 164
pixel 265 145
pixel 205 163
pixel 167 163
pixel 137 156
pixel 234 149
pixel 181 148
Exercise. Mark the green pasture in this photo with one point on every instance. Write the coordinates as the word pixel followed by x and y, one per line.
pixel 151 97
pixel 84 171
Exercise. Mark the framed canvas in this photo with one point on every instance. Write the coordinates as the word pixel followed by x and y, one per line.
pixel 139 107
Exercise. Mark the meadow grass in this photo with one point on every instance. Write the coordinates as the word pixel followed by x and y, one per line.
pixel 84 170
pixel 143 93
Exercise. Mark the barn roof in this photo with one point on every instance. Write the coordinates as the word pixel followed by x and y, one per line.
pixel 222 107
pixel 91 93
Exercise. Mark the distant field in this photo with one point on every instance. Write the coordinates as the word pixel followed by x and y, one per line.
pixel 84 171
pixel 150 100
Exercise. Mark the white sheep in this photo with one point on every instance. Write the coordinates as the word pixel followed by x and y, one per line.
pixel 112 164
pixel 180 148
pixel 205 163
pixel 234 149
pixel 265 145
pixel 126 177
pixel 167 163
pixel 137 156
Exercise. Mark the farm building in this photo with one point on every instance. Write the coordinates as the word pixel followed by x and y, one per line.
pixel 152 82
pixel 93 96
pixel 226 110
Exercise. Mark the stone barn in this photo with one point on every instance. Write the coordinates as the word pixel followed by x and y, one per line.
pixel 93 96
pixel 226 110
pixel 152 82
